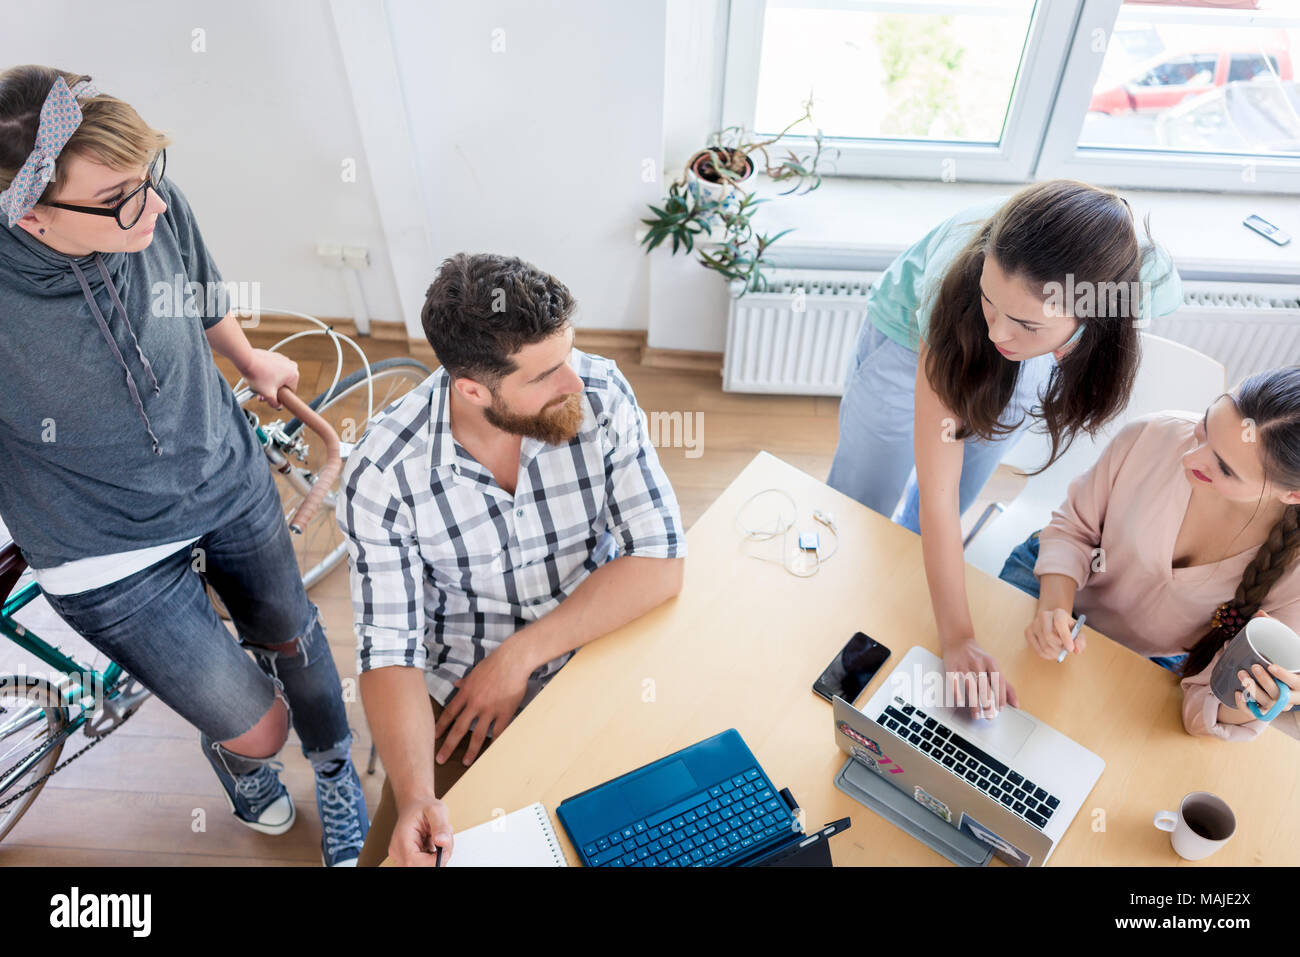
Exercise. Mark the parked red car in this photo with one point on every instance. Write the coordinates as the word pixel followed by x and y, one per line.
pixel 1173 77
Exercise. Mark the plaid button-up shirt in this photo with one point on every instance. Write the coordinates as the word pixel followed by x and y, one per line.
pixel 446 564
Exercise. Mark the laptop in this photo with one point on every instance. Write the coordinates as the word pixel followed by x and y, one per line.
pixel 707 805
pixel 1012 783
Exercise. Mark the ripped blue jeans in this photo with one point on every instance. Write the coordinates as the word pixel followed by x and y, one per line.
pixel 159 625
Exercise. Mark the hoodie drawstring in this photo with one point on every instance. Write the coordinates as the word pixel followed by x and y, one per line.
pixel 108 337
pixel 112 291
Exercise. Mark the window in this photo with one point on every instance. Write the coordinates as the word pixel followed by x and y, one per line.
pixel 1187 94
pixel 891 74
pixel 1212 90
pixel 961 87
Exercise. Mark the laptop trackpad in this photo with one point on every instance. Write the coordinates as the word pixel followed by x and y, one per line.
pixel 1002 736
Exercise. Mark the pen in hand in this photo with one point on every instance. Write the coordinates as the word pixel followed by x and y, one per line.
pixel 1074 633
pixel 431 847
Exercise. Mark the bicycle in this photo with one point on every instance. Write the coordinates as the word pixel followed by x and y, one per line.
pixel 38 716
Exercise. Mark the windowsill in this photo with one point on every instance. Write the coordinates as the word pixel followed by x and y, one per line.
pixel 853 223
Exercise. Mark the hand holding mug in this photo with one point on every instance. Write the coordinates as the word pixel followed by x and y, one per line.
pixel 1260 666
pixel 1271 691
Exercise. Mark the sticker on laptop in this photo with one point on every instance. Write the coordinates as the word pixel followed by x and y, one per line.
pixel 883 766
pixel 852 733
pixel 931 803
pixel 880 763
pixel 1001 847
pixel 864 757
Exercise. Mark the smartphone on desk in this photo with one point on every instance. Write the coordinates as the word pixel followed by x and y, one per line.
pixel 852 668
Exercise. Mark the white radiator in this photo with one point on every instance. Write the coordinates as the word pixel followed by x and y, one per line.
pixel 798 338
pixel 1247 326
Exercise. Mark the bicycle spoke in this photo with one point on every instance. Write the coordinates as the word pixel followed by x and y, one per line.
pixel 321 548
pixel 21 745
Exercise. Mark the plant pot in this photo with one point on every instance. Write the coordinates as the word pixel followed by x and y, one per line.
pixel 705 184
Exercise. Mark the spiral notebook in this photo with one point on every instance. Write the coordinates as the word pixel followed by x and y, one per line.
pixel 523 838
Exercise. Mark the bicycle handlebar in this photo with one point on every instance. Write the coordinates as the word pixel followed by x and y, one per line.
pixel 327 474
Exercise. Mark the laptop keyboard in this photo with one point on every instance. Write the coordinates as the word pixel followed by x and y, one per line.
pixel 944 746
pixel 713 827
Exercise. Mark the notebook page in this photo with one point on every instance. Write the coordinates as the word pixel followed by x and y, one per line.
pixel 523 838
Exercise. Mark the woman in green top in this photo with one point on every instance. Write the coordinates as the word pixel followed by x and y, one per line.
pixel 1009 312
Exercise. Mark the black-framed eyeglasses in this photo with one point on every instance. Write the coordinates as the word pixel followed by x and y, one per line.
pixel 128 210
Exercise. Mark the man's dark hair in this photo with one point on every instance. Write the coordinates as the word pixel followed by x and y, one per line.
pixel 482 308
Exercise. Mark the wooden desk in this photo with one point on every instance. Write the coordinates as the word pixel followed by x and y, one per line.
pixel 743 642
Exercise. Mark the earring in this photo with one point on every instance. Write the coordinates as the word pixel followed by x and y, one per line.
pixel 42 232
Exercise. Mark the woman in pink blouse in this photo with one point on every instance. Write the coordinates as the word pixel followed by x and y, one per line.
pixel 1183 529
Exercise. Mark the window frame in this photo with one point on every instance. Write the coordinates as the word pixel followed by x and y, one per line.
pixel 1062 156
pixel 1049 103
pixel 1011 160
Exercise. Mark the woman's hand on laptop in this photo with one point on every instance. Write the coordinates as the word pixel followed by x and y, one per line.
pixel 1049 632
pixel 491 692
pixel 972 679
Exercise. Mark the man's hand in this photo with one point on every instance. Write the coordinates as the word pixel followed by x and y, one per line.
pixel 491 692
pixel 422 826
pixel 266 372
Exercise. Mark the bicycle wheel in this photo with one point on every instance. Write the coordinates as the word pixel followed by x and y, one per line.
pixel 31 715
pixel 320 547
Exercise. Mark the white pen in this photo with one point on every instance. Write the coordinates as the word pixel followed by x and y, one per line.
pixel 1073 635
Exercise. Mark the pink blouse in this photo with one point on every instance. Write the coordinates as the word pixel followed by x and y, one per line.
pixel 1115 534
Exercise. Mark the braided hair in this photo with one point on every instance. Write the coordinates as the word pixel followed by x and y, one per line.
pixel 1271 400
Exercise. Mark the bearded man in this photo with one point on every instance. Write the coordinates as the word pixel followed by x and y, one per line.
pixel 504 513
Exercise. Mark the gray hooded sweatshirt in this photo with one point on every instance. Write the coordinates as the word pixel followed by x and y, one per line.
pixel 117 431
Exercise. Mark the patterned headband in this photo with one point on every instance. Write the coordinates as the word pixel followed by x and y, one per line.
pixel 60 117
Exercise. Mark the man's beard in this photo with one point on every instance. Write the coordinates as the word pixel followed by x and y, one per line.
pixel 556 425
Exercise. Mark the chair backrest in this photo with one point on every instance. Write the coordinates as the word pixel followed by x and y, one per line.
pixel 1170 376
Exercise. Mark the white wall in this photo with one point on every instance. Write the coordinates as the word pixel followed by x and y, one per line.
pixel 539 150
pixel 688 303
pixel 532 123
pixel 262 122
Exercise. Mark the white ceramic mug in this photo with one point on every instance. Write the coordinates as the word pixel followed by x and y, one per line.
pixel 1201 825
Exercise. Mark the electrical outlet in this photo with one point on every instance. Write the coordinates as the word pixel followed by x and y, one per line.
pixel 330 253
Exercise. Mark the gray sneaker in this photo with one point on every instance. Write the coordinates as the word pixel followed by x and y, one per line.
pixel 257 799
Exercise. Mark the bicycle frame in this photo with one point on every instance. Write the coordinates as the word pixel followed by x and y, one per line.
pixel 73 690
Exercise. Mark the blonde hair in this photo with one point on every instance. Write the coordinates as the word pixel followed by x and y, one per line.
pixel 111 131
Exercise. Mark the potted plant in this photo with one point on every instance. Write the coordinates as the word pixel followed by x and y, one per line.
pixel 712 194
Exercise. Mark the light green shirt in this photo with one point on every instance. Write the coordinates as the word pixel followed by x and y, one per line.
pixel 900 302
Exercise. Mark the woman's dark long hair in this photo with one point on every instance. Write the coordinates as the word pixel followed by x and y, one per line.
pixel 1271 402
pixel 1063 232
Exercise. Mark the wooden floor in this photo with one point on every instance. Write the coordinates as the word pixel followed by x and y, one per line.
pixel 147 796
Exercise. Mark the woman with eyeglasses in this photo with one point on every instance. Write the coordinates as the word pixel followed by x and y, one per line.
pixel 130 475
